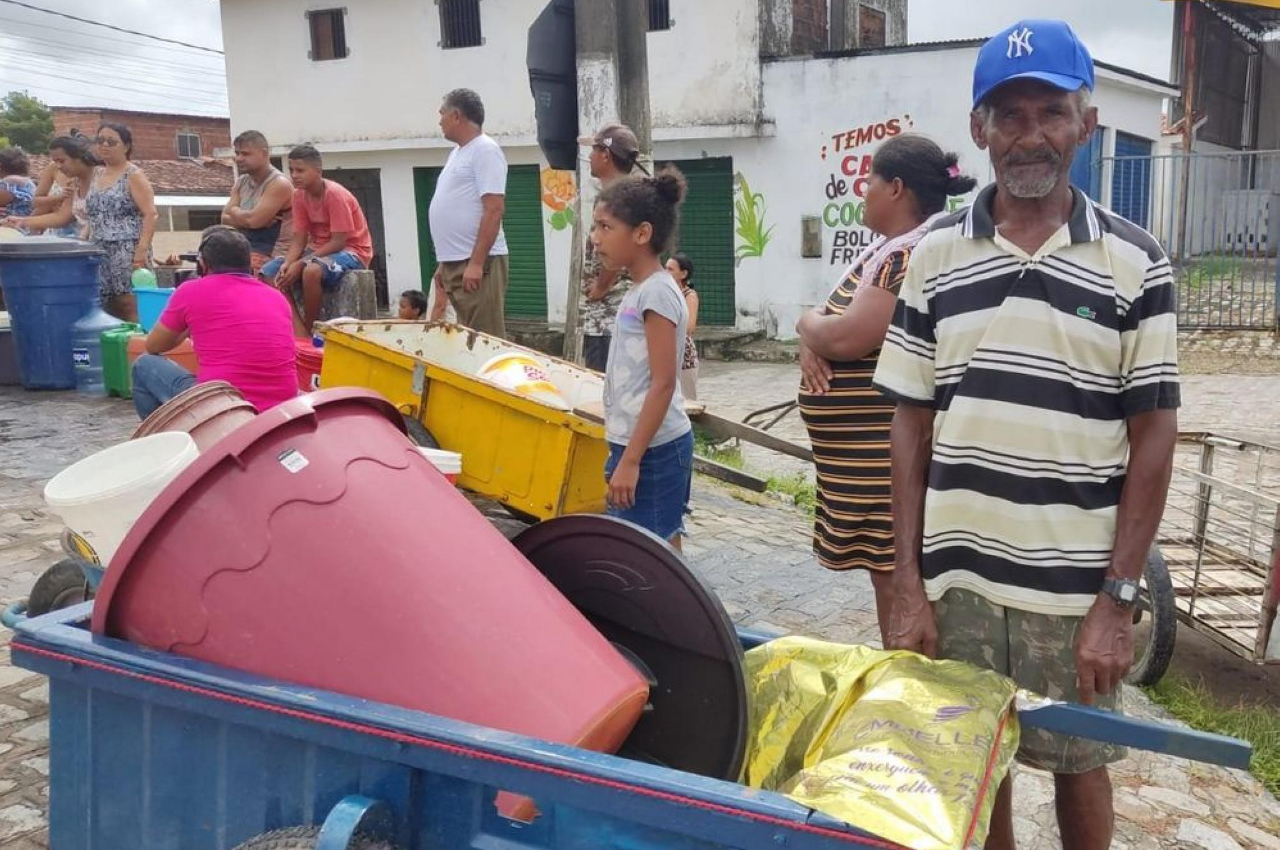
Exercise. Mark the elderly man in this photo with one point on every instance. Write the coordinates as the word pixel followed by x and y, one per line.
pixel 466 219
pixel 240 327
pixel 1033 358
pixel 615 153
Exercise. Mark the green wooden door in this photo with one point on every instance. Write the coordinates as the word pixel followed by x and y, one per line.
pixel 522 224
pixel 706 235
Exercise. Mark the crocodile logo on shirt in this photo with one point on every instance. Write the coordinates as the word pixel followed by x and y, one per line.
pixel 1086 313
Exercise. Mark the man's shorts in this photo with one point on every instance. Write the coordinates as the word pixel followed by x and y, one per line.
pixel 258 259
pixel 334 266
pixel 1038 652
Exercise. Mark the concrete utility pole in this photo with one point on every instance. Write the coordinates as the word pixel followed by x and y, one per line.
pixel 613 87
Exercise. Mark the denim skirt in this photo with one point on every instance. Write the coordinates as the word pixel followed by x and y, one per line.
pixel 662 493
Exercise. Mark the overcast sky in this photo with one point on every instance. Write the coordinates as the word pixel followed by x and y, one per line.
pixel 1134 34
pixel 71 64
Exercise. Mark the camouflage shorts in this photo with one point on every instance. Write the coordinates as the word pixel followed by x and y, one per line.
pixel 1038 652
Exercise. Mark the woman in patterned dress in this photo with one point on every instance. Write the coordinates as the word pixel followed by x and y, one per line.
pixel 681 268
pixel 122 219
pixel 847 418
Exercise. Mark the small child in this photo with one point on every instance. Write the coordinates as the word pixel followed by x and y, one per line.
pixel 413 305
pixel 650 466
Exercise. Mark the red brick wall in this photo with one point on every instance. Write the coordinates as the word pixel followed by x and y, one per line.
pixel 808 26
pixel 154 136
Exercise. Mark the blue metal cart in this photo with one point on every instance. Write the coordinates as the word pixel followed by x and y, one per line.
pixel 150 750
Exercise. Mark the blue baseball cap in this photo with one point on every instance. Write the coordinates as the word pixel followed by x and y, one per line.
pixel 1044 50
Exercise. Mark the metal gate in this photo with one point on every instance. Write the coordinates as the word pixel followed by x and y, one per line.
pixel 1218 216
pixel 706 235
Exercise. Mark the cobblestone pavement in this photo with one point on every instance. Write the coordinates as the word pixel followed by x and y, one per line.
pixel 751 549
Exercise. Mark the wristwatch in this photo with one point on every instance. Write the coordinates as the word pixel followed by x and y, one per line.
pixel 1124 591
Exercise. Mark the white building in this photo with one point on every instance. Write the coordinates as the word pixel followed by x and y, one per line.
pixel 765 142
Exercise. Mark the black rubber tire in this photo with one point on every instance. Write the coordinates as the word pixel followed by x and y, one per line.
pixel 60 586
pixel 299 838
pixel 419 433
pixel 1160 605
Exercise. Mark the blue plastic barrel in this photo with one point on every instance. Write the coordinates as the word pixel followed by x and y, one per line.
pixel 49 283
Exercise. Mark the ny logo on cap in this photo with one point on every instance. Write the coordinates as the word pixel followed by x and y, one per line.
pixel 1020 42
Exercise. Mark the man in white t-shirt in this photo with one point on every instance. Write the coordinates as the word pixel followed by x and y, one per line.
pixel 466 219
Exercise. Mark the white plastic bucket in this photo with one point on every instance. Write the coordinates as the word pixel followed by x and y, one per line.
pixel 449 463
pixel 101 496
pixel 523 375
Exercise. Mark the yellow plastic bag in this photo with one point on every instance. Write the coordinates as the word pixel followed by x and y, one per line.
pixel 908 749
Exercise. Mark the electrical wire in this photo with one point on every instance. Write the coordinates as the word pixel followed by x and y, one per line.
pixel 53 63
pixel 155 96
pixel 115 56
pixel 177 95
pixel 92 22
pixel 108 39
pixel 131 103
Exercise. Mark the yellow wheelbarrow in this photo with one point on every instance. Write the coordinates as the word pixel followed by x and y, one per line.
pixel 537 459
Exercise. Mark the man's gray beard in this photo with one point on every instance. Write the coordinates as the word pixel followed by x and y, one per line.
pixel 1029 189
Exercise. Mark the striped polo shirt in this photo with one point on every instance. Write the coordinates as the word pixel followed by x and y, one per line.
pixel 1031 364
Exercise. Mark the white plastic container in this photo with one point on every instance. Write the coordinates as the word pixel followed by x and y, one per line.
pixel 449 463
pixel 101 496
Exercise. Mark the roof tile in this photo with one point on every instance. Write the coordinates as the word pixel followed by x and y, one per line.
pixel 174 176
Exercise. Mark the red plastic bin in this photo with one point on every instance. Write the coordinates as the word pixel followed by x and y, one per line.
pixel 310 359
pixel 289 550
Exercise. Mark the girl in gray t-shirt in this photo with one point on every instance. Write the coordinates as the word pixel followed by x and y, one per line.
pixel 650 467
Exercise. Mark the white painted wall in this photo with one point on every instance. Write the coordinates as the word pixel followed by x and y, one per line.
pixel 386 93
pixel 705 70
pixel 811 101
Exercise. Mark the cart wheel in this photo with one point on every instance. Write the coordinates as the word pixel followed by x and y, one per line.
pixel 419 433
pixel 60 586
pixel 1154 640
pixel 301 838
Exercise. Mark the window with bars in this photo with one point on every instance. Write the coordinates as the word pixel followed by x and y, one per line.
pixel 460 24
pixel 871 27
pixel 188 146
pixel 659 15
pixel 328 34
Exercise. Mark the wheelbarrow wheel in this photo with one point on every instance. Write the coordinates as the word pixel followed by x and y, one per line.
pixel 60 586
pixel 1156 623
pixel 419 433
pixel 302 838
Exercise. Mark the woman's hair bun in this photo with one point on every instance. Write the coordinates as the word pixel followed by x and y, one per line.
pixel 670 185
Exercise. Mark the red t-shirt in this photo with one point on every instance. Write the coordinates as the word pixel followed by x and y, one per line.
pixel 336 211
pixel 242 331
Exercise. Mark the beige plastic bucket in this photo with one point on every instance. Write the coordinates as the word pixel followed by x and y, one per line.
pixel 208 412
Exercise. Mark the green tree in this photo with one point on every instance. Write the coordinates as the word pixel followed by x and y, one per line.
pixel 26 122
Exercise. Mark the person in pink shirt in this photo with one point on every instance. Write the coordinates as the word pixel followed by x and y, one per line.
pixel 330 236
pixel 240 327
